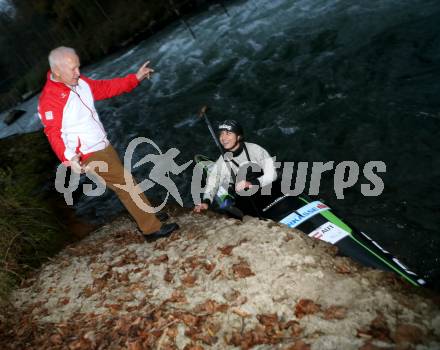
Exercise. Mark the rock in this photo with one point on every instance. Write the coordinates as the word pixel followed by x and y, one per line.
pixel 13 115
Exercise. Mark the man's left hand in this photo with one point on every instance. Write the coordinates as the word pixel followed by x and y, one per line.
pixel 144 72
pixel 242 185
pixel 75 165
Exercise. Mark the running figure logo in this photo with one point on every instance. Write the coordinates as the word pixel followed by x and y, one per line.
pixel 163 165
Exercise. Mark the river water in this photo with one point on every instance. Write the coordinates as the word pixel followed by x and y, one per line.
pixel 310 80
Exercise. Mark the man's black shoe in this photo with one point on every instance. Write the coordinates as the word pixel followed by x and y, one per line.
pixel 162 216
pixel 164 231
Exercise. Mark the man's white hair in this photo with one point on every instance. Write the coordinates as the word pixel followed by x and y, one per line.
pixel 58 55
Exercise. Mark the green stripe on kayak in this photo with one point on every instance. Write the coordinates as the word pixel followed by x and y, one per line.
pixel 335 220
pixel 332 218
pixel 384 261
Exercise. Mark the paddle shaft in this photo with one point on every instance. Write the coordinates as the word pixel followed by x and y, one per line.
pixel 211 130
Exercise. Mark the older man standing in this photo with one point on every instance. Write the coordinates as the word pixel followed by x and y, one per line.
pixel 77 136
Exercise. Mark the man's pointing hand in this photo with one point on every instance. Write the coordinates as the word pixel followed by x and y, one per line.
pixel 144 71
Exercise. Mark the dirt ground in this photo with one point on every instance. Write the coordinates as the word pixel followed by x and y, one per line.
pixel 217 283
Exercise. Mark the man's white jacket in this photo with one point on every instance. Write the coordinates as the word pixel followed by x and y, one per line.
pixel 68 113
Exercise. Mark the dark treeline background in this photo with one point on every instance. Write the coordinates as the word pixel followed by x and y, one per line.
pixel 93 27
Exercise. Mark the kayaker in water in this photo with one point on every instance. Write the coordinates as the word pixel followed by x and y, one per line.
pixel 244 167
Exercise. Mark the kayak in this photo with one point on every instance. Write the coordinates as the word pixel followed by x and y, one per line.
pixel 318 221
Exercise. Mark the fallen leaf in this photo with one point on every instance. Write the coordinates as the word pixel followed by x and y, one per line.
pixel 168 277
pixel 88 291
pixel 192 262
pixel 268 319
pixel 343 268
pixel 192 332
pixel 251 338
pixel 56 339
pixel 226 250
pixel 296 329
pixel 205 338
pixel 408 333
pixel 288 324
pixel 288 237
pixel 135 345
pixel 234 339
pixel 133 308
pixel 124 298
pixel 242 270
pixel 63 301
pixel 113 307
pixel 306 307
pixel 160 259
pixel 79 344
pixel 335 313
pixel 99 283
pixel 379 328
pixel 150 341
pixel 158 314
pixel 122 277
pixel 213 328
pixel 189 319
pixel 121 326
pixel 172 332
pixel 178 296
pixel 188 280
pixel 211 306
